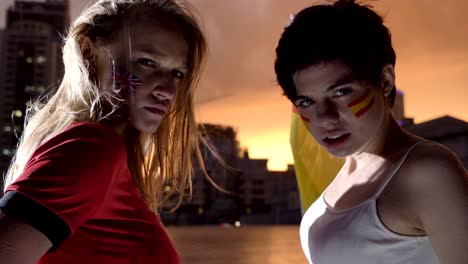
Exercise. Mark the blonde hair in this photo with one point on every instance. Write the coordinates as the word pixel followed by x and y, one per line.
pixel 156 161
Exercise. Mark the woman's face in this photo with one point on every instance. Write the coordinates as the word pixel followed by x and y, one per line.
pixel 148 61
pixel 345 116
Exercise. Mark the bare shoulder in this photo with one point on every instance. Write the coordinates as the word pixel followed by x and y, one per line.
pixel 436 184
pixel 431 165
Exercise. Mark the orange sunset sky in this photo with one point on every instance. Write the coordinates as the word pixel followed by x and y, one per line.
pixel 238 89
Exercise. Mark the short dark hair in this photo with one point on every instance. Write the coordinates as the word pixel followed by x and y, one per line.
pixel 351 33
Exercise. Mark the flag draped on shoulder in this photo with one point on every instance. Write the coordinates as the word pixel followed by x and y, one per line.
pixel 315 168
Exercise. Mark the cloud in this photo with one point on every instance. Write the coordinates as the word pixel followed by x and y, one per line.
pixel 242 37
pixel 239 88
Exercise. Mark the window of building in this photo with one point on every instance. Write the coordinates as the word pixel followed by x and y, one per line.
pixel 258 191
pixel 257 182
pixel 34 89
pixel 41 59
pixel 8 152
pixel 257 201
pixel 7 128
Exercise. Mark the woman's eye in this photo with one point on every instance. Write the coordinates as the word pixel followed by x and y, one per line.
pixel 178 74
pixel 305 103
pixel 147 62
pixel 343 91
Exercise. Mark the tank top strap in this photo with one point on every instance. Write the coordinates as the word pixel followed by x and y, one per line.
pixel 395 169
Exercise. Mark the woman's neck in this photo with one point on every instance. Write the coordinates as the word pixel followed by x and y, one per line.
pixel 117 126
pixel 390 141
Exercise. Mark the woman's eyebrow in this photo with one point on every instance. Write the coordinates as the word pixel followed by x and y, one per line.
pixel 345 79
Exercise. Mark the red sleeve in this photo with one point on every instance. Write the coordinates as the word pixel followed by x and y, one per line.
pixel 70 173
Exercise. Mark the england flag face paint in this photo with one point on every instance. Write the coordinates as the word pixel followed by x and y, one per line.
pixel 125 80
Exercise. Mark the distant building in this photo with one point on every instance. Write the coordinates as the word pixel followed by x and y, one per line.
pixel 255 187
pixel 285 200
pixel 31 58
pixel 399 109
pixel 269 197
pixel 278 204
pixel 210 205
pixel 259 196
pixel 399 106
pixel 446 130
pixel 449 131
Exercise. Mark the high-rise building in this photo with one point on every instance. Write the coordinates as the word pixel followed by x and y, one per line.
pixel 447 130
pixel 399 106
pixel 210 204
pixel 257 195
pixel 30 52
pixel 399 109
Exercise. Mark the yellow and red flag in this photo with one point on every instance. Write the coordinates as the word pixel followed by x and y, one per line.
pixel 315 168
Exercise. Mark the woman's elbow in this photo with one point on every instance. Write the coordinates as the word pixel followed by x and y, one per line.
pixel 20 242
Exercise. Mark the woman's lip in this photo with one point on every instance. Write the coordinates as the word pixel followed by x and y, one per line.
pixel 155 110
pixel 334 133
pixel 336 143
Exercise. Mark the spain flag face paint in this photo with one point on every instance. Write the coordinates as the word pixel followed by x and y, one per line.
pixel 362 104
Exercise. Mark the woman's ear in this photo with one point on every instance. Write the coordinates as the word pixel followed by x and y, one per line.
pixel 388 79
pixel 88 48
pixel 90 53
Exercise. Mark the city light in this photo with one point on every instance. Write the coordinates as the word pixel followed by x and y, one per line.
pixel 18 113
pixel 248 210
pixel 32 89
pixel 41 59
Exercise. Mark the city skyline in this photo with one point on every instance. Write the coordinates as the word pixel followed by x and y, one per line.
pixel 32 61
pixel 239 89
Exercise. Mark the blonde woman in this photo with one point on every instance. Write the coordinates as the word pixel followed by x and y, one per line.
pixel 94 162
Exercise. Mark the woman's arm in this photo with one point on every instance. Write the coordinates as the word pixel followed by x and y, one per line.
pixel 439 198
pixel 20 242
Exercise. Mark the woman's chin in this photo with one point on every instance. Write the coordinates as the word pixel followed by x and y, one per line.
pixel 340 153
pixel 150 128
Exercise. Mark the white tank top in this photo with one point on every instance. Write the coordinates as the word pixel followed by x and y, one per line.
pixel 358 236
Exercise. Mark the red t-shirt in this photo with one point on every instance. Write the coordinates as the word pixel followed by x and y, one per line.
pixel 77 190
